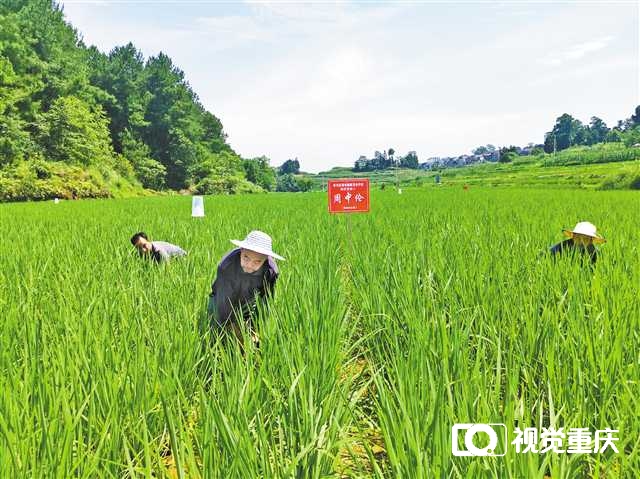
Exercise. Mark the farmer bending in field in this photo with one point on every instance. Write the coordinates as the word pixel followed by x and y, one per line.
pixel 581 241
pixel 244 274
pixel 159 251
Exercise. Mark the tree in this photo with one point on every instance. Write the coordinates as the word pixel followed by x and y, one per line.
pixel 73 133
pixel 178 130
pixel 260 173
pixel 304 183
pixel 151 173
pixel 290 183
pixel 63 69
pixel 567 132
pixel 20 81
pixel 167 109
pixel 635 118
pixel 287 182
pixel 632 136
pixel 15 142
pixel 537 150
pixel 614 136
pixel 213 134
pixel 508 154
pixel 290 167
pixel 410 160
pixel 362 164
pixel 216 173
pixel 120 74
pixel 380 161
pixel 624 125
pixel 481 150
pixel 597 131
pixel 484 150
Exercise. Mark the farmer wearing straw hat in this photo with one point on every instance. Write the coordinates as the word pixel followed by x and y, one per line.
pixel 581 239
pixel 244 274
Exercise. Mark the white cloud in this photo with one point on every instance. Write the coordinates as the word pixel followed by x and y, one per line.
pixel 242 28
pixel 578 51
pixel 586 70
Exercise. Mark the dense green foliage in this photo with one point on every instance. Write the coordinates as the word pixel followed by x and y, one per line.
pixel 63 102
pixel 569 131
pixel 582 155
pixel 293 183
pixel 259 172
pixel 289 167
pixel 438 307
pixel 387 159
pixel 508 154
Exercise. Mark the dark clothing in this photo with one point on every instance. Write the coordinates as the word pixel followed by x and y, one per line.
pixel 569 247
pixel 234 291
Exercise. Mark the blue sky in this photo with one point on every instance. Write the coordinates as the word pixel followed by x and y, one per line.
pixel 329 81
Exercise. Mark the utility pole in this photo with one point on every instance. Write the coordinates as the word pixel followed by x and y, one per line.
pixel 396 164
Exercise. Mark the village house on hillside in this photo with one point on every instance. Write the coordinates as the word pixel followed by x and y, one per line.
pixel 490 154
pixel 436 163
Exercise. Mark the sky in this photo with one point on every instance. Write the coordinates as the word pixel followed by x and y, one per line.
pixel 326 82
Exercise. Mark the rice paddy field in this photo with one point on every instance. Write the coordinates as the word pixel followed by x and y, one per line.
pixel 438 307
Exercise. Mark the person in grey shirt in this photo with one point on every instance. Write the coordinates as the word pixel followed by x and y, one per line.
pixel 159 251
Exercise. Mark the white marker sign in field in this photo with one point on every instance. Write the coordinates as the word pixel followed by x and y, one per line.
pixel 197 207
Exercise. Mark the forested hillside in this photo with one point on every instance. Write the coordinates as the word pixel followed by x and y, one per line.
pixel 76 122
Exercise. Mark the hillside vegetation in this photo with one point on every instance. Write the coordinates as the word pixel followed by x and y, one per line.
pixel 79 123
pixel 601 166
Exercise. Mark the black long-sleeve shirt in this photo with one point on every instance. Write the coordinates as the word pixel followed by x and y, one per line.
pixel 234 290
pixel 569 246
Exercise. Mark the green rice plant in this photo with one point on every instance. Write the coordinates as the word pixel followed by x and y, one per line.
pixel 439 307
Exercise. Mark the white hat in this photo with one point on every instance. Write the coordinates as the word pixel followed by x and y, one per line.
pixel 586 229
pixel 259 242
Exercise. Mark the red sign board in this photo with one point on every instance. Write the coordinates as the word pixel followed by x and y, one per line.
pixel 348 196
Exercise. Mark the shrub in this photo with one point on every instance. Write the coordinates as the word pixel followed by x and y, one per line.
pixel 41 180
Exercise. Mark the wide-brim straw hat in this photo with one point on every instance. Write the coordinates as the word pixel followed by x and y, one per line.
pixel 586 229
pixel 258 242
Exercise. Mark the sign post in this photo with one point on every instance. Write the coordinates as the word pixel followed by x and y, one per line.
pixel 197 207
pixel 348 196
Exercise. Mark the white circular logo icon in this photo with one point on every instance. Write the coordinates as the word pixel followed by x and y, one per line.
pixel 489 448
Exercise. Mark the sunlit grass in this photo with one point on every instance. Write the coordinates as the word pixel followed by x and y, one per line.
pixel 441 307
